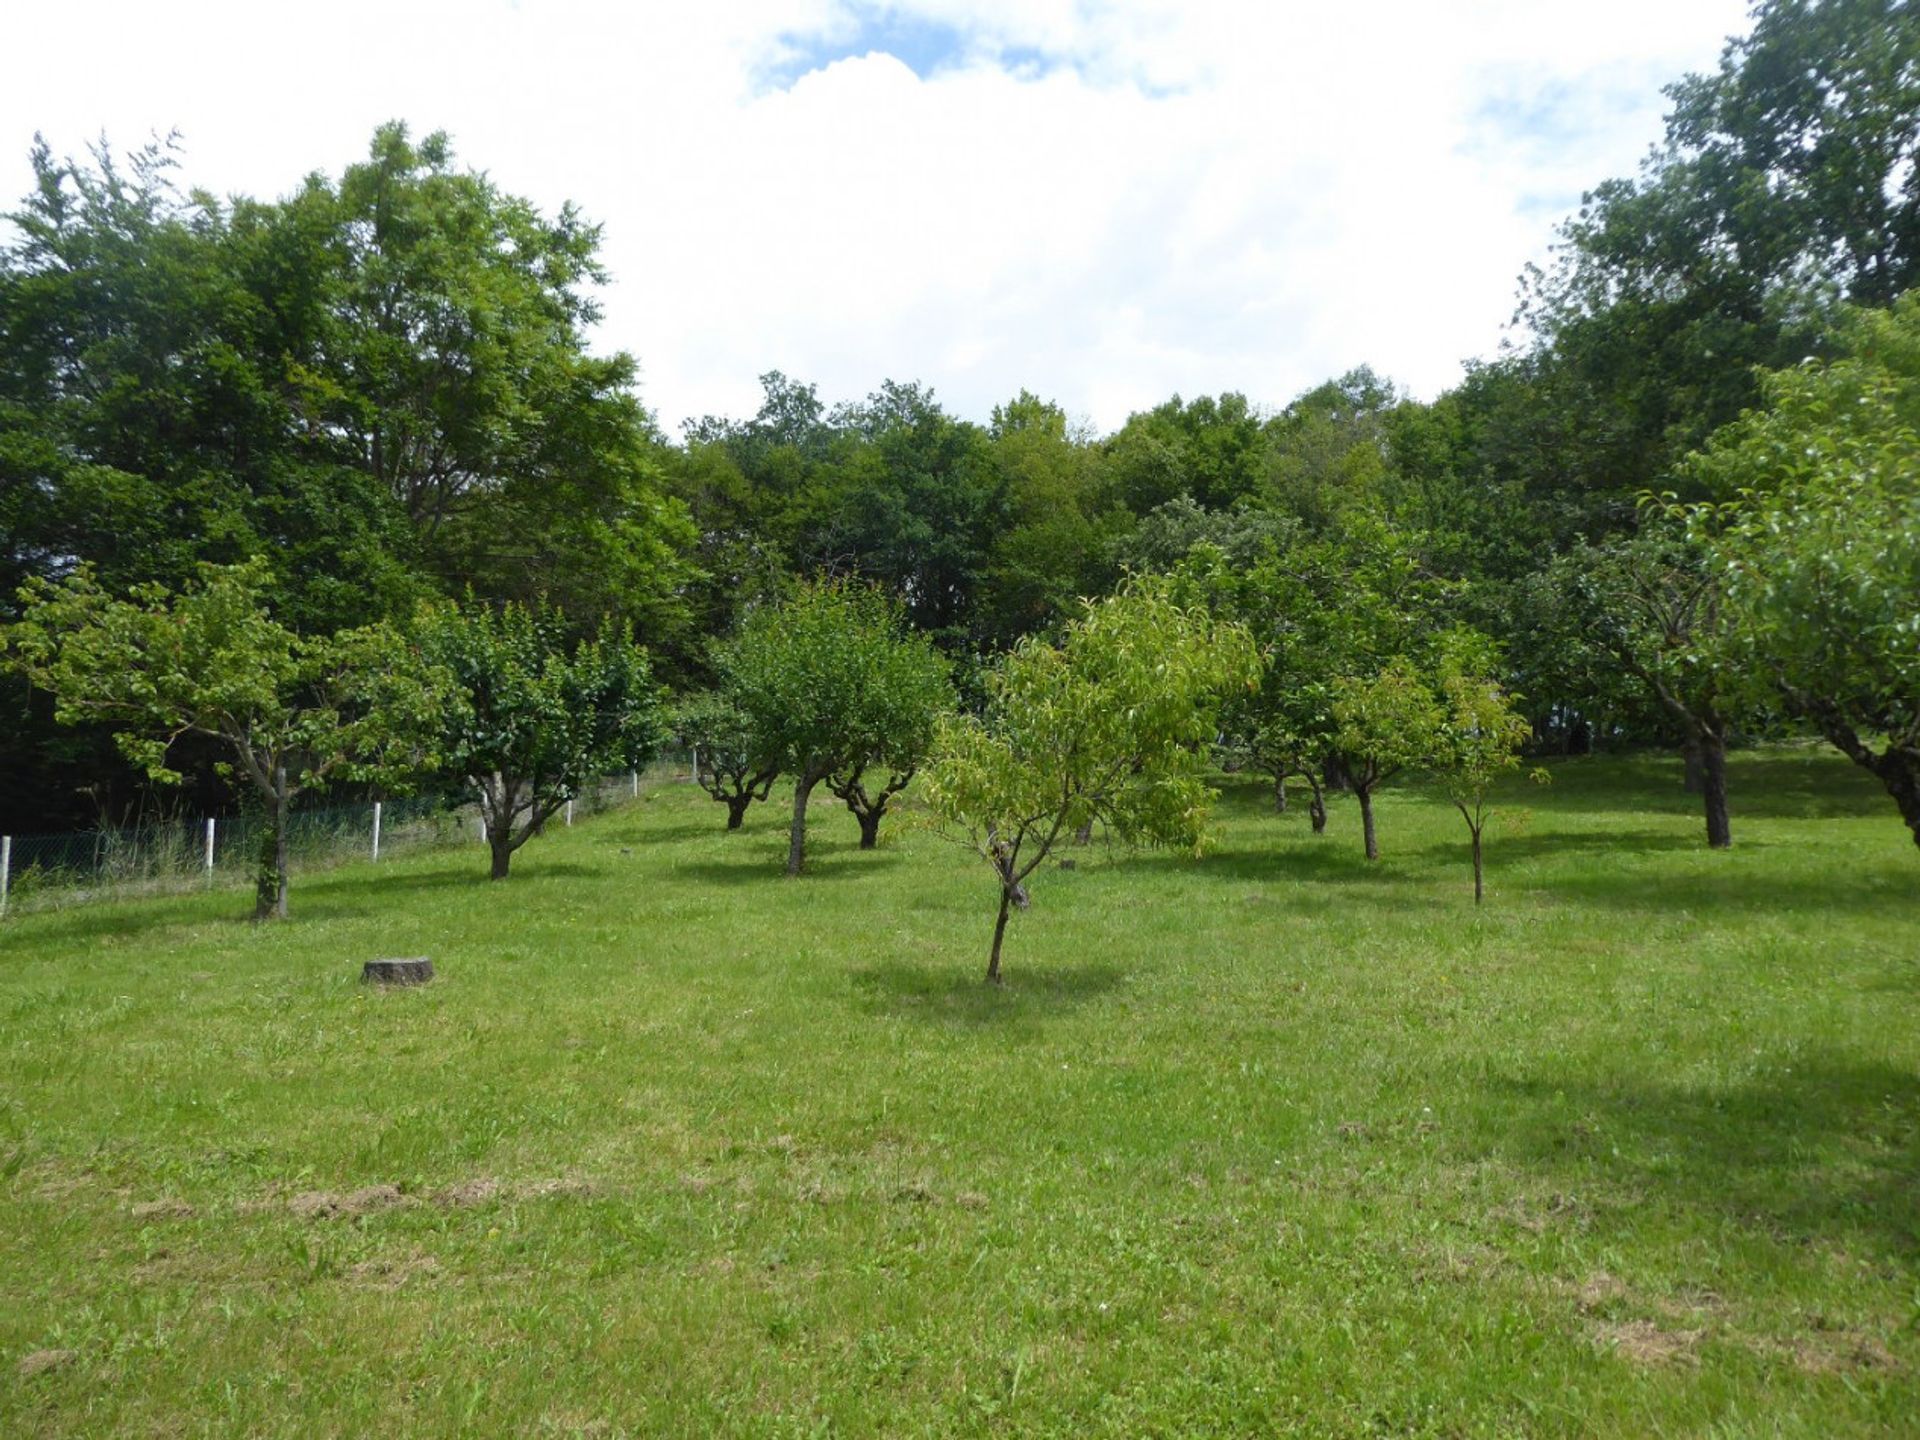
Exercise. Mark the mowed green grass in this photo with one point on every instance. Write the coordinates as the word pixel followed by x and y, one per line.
pixel 1270 1141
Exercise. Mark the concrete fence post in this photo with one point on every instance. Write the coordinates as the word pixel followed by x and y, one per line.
pixel 207 864
pixel 6 871
pixel 376 829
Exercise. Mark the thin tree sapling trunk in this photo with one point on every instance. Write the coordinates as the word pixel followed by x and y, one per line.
pixel 1365 795
pixel 1280 792
pixel 1479 887
pixel 999 933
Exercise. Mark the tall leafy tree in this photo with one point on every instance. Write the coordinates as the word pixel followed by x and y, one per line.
pixel 454 370
pixel 1787 179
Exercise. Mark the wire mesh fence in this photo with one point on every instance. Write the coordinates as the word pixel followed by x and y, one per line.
pixel 172 855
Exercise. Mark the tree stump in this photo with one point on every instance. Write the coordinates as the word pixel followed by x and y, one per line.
pixel 414 971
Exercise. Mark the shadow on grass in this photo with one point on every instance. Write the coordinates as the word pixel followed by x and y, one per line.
pixel 1719 886
pixel 680 831
pixel 1537 844
pixel 758 867
pixel 1332 866
pixel 371 881
pixel 958 993
pixel 81 923
pixel 1795 784
pixel 1827 1150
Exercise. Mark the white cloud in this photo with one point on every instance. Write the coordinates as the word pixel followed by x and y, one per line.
pixel 1188 197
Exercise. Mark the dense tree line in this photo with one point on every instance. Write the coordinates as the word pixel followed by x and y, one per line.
pixel 377 393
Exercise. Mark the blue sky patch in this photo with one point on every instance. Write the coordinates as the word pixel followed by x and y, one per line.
pixel 923 46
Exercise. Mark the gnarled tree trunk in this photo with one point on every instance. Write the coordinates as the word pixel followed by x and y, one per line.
pixel 1897 767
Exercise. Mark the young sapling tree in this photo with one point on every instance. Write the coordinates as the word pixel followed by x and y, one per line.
pixel 1114 722
pixel 1479 740
pixel 1385 724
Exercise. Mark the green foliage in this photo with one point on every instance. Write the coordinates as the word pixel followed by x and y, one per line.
pixel 293 711
pixel 1479 738
pixel 1324 611
pixel 1785 182
pixel 831 681
pixel 1820 544
pixel 1385 723
pixel 1653 607
pixel 1112 724
pixel 732 765
pixel 534 722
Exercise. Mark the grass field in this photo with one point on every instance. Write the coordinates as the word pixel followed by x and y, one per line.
pixel 1271 1141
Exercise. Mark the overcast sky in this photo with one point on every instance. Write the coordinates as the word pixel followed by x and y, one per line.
pixel 1103 202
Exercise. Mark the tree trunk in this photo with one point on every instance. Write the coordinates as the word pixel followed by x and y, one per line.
pixel 1479 888
pixel 270 888
pixel 1694 771
pixel 1280 794
pixel 1084 835
pixel 737 810
pixel 797 838
pixel 1365 792
pixel 1713 765
pixel 1335 774
pixel 502 847
pixel 1898 769
pixel 1317 806
pixel 869 828
pixel 999 934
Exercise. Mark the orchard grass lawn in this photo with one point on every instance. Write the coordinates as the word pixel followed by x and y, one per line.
pixel 1271 1140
